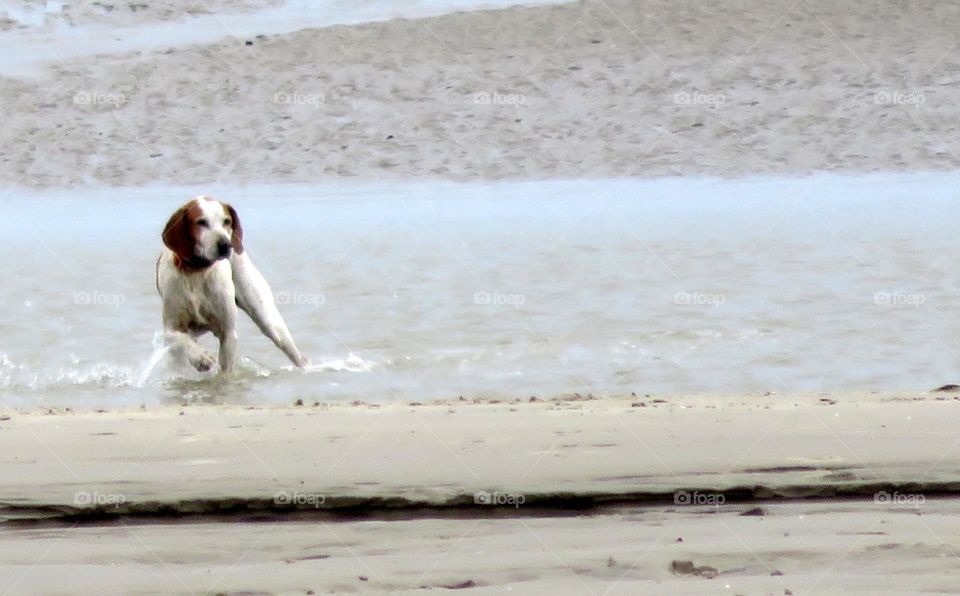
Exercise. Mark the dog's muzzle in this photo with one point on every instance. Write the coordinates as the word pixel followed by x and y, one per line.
pixel 224 249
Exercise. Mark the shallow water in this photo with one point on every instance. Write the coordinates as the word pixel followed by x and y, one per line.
pixel 417 291
pixel 44 39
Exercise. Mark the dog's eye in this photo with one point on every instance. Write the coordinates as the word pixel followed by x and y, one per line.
pixel 227 222
pixel 203 223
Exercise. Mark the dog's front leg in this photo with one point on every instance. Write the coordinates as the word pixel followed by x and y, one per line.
pixel 255 298
pixel 228 349
pixel 227 334
pixel 183 347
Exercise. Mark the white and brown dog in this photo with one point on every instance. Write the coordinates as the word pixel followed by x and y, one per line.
pixel 203 276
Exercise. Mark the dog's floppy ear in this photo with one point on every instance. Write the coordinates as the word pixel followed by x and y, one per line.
pixel 177 235
pixel 236 237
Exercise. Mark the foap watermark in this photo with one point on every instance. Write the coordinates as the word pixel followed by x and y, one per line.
pixel 498 498
pixel 698 299
pixel 899 499
pixel 499 299
pixel 300 299
pixel 298 499
pixel 696 98
pixel 97 499
pixel 899 299
pixel 99 299
pixel 99 99
pixel 892 97
pixel 683 497
pixel 294 98
pixel 485 98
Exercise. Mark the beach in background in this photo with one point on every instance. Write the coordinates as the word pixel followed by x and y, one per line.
pixel 590 88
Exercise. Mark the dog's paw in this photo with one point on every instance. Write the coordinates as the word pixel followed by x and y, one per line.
pixel 202 361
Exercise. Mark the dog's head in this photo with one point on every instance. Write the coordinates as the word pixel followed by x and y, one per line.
pixel 202 232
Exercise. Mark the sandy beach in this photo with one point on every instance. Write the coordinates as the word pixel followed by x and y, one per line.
pixel 609 490
pixel 581 89
pixel 810 494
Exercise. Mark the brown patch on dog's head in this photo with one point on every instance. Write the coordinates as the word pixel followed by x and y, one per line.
pixel 180 234
pixel 236 230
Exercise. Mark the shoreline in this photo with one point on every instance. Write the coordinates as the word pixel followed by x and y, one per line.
pixel 347 186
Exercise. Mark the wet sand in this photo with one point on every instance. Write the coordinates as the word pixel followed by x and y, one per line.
pixel 800 548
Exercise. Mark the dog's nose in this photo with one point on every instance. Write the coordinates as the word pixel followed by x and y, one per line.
pixel 223 249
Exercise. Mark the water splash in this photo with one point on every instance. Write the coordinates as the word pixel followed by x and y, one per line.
pixel 159 351
pixel 352 363
pixel 20 377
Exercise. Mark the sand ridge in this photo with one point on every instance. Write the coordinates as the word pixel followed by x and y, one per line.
pixel 437 453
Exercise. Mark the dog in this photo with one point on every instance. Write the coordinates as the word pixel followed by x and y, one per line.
pixel 203 275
